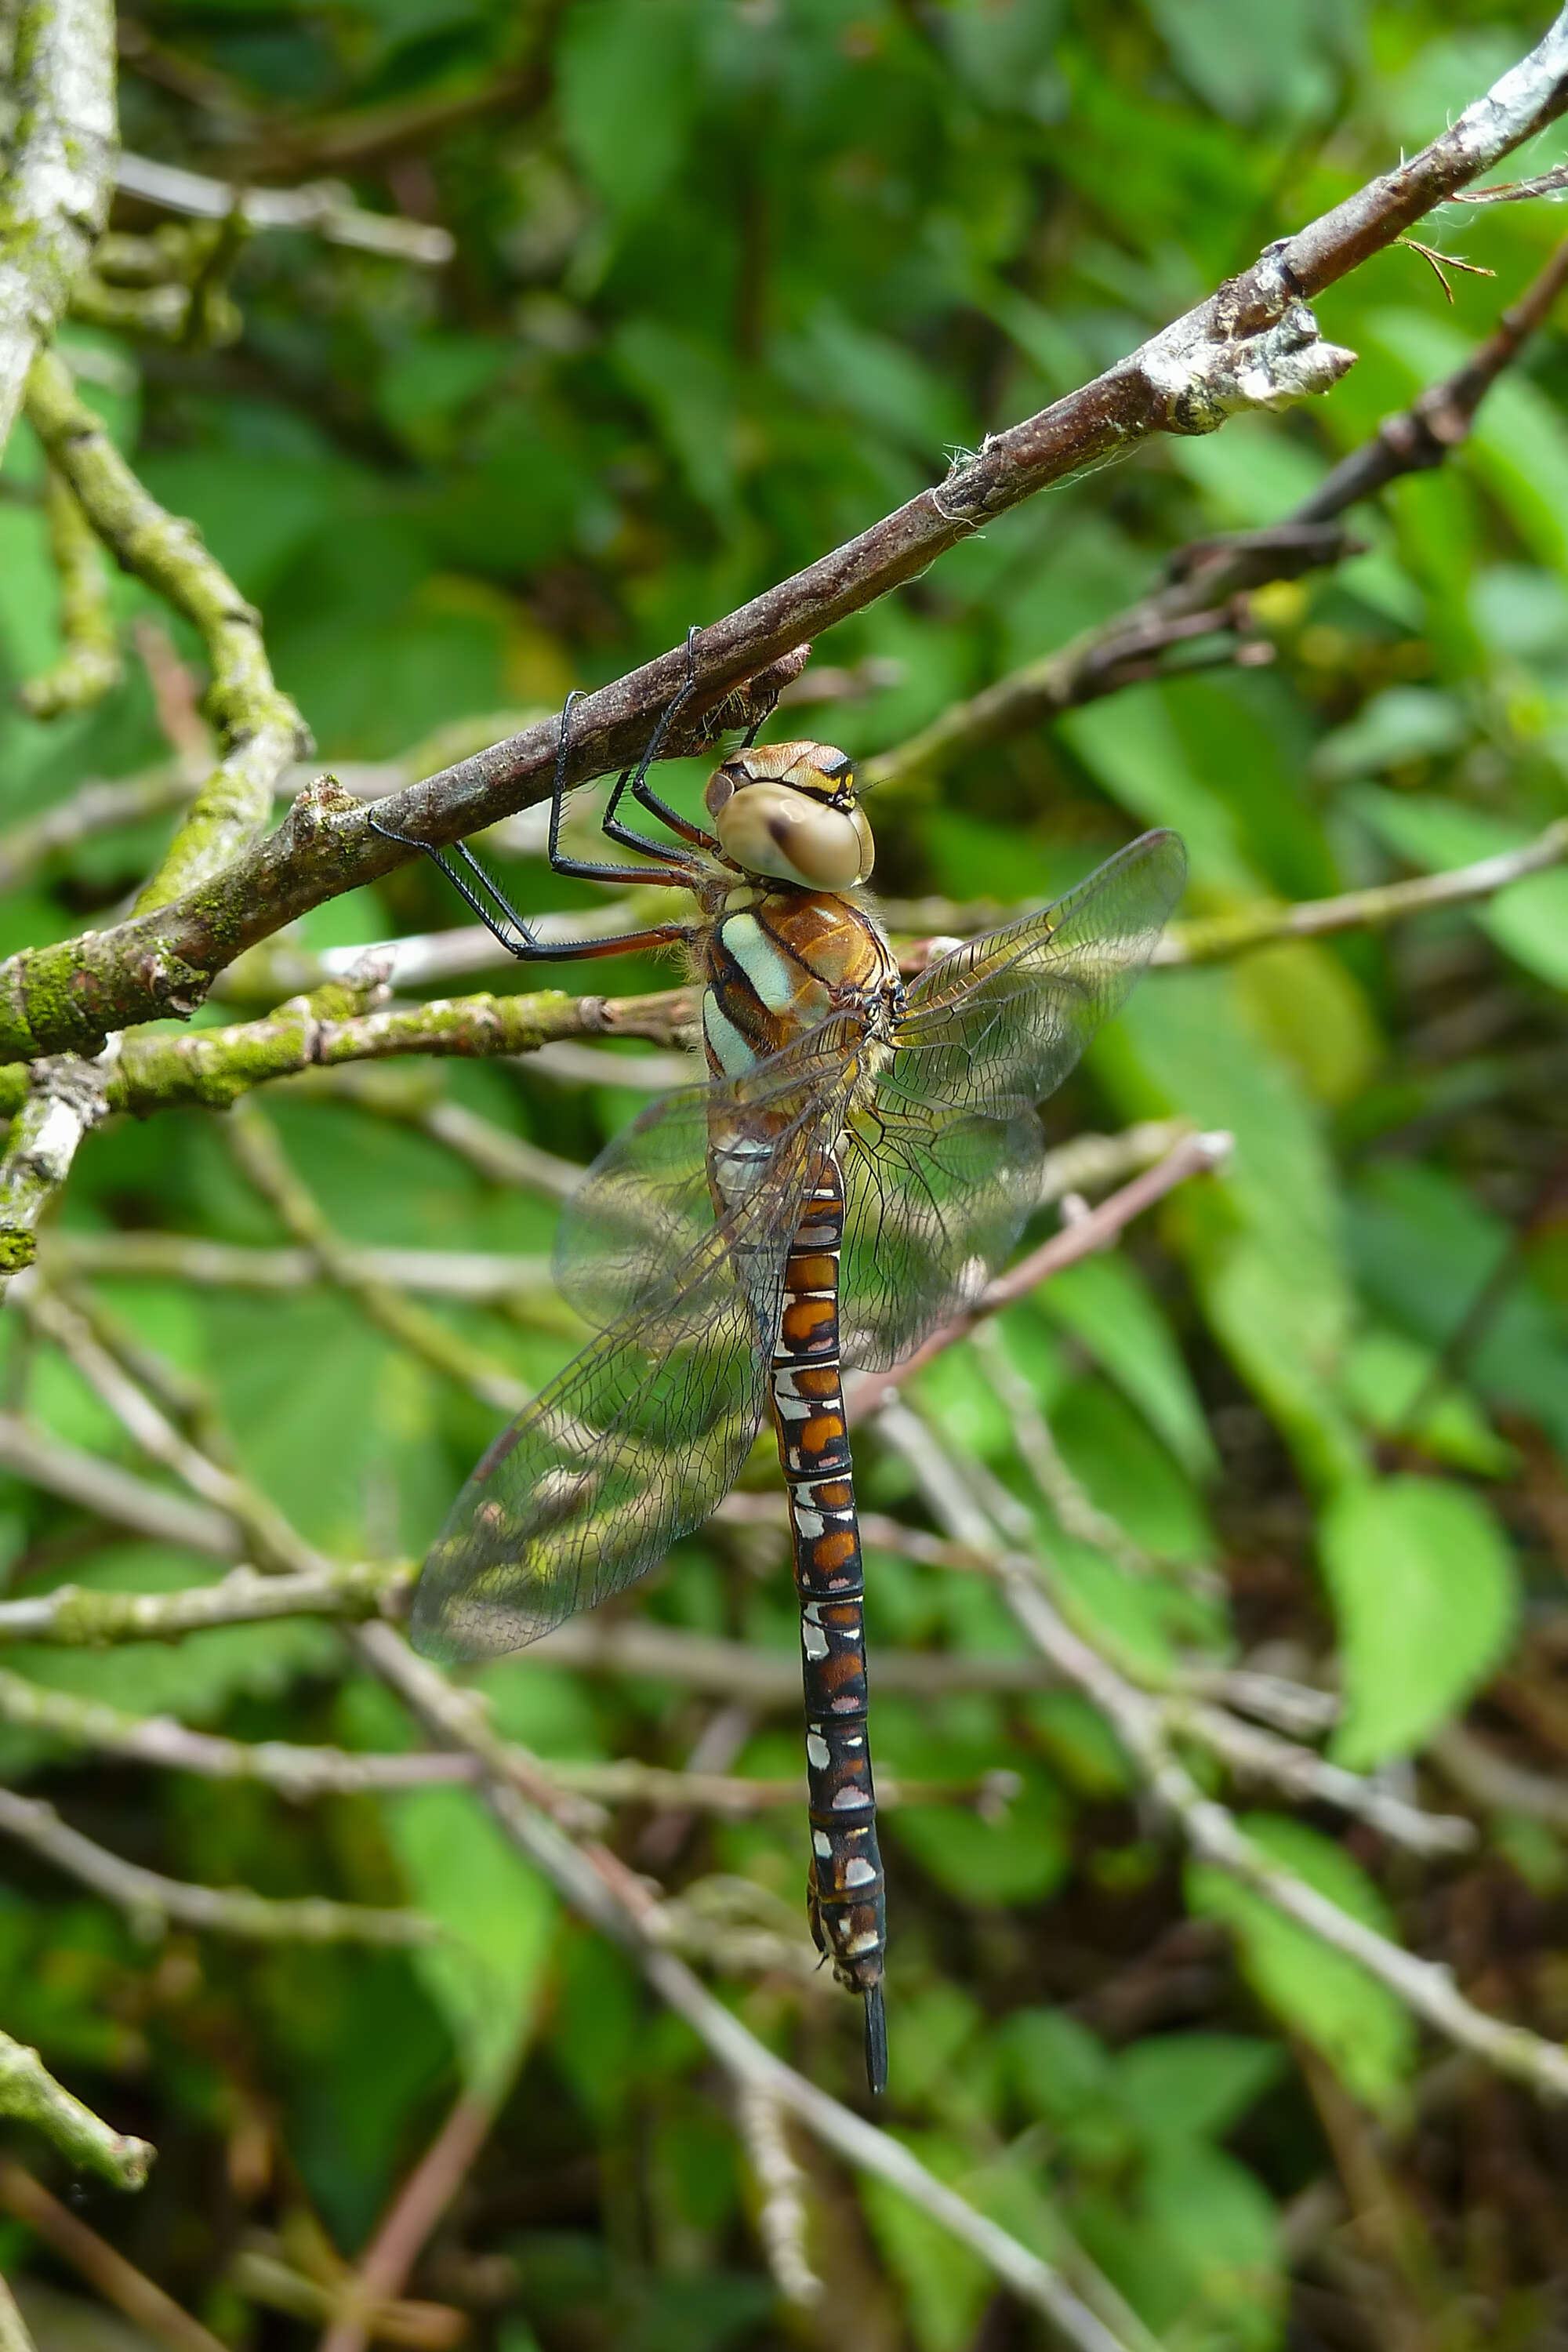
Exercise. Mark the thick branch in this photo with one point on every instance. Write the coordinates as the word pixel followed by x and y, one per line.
pixel 29 2092
pixel 1252 344
pixel 1205 582
pixel 55 198
pixel 215 1067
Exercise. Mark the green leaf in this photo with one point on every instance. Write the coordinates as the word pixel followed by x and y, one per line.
pixel 1130 745
pixel 627 93
pixel 1186 2085
pixel 1529 922
pixel 1106 1303
pixel 1427 1596
pixel 1220 2228
pixel 487 1976
pixel 1387 1377
pixel 1019 1858
pixel 945 2286
pixel 1364 2031
pixel 1423 1249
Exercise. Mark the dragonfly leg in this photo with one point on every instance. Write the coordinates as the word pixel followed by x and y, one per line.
pixel 668 864
pixel 642 791
pixel 509 926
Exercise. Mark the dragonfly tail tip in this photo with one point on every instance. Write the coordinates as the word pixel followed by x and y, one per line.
pixel 876 2041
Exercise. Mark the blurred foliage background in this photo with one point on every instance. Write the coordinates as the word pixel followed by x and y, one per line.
pixel 730 277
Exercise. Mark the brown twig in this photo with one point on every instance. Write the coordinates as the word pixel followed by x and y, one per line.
pixel 14 2336
pixel 1197 1155
pixel 418 2205
pixel 117 2281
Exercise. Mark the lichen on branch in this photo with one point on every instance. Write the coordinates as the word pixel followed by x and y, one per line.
pixel 54 200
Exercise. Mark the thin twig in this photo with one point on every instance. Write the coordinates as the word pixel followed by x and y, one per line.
pixel 150 1901
pixel 257 1151
pixel 30 2092
pixel 1215 1836
pixel 418 2205
pixel 91 809
pixel 270 1537
pixel 1222 936
pixel 302 1773
pixel 14 2336
pixel 1478 1772
pixel 79 1616
pixel 325 208
pixel 602 1892
pixel 1195 1155
pixel 781 2218
pixel 117 2281
pixel 481 1276
pixel 90 666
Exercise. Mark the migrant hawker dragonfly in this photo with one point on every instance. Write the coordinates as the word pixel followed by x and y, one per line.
pixel 862 1158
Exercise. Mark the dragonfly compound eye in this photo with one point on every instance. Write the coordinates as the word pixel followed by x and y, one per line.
pixel 792 836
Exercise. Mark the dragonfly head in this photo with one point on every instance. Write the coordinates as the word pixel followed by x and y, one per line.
pixel 788 811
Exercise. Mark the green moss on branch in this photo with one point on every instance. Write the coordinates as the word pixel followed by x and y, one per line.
pixel 258 727
pixel 54 199
pixel 90 667
pixel 30 2092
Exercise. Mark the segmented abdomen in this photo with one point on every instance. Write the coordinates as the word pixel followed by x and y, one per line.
pixel 845 1892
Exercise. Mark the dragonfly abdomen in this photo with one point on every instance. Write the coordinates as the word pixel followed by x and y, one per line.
pixel 845 1892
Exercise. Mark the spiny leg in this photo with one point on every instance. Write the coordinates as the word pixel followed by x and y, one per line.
pixel 511 928
pixel 635 779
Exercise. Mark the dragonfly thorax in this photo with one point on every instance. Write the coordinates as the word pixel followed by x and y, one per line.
pixel 788 811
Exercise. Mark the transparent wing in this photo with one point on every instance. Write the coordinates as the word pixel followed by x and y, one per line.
pixel 942 1163
pixel 935 1201
pixel 633 1443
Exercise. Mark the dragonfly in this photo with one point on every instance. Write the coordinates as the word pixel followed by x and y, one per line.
pixel 861 1160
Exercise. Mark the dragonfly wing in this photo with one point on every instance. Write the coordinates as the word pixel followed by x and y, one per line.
pixel 942 1165
pixel 627 1233
pixel 1002 1019
pixel 634 1443
pixel 935 1201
